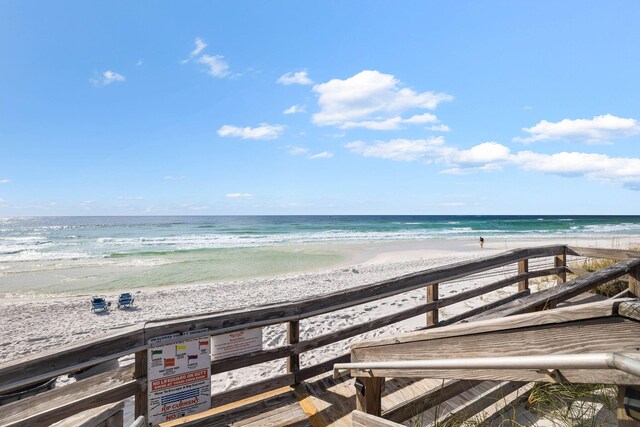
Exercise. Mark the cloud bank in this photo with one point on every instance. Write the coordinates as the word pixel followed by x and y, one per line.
pixel 372 100
pixel 492 156
pixel 264 131
pixel 600 129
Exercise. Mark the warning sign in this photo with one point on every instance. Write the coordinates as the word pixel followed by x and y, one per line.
pixel 236 343
pixel 179 376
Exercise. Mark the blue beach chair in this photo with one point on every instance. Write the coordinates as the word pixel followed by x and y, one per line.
pixel 125 300
pixel 99 304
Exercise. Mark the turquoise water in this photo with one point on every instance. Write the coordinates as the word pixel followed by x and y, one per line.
pixel 52 238
pixel 72 253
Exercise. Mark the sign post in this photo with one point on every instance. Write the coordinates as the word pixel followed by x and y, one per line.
pixel 179 377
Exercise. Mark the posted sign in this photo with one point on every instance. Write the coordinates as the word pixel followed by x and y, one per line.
pixel 236 343
pixel 179 378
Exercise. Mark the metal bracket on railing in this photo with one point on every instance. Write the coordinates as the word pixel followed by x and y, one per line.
pixel 359 386
pixel 555 375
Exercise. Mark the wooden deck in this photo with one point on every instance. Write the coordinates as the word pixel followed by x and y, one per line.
pixel 309 396
pixel 324 401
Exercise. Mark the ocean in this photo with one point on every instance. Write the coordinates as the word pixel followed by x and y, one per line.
pixel 83 253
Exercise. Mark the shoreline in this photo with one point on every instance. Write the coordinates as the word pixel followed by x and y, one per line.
pixel 27 316
pixel 106 276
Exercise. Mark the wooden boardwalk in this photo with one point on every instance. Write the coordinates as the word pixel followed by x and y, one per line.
pixel 324 401
pixel 308 395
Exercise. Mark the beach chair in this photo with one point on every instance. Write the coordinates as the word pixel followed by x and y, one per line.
pixel 125 300
pixel 99 304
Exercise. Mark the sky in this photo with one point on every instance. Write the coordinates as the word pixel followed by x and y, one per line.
pixel 319 107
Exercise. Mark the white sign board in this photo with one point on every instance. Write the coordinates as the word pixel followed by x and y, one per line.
pixel 236 343
pixel 179 378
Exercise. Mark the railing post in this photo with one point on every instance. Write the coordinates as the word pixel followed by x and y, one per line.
pixel 432 295
pixel 523 267
pixel 623 419
pixel 634 281
pixel 293 337
pixel 140 371
pixel 561 261
pixel 369 395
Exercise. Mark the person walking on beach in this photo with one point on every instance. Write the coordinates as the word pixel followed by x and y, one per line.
pixel 481 242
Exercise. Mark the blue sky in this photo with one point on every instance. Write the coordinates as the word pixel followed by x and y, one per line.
pixel 333 107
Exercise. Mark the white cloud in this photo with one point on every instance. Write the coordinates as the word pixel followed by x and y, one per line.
pixel 399 149
pixel 107 78
pixel 392 123
pixel 600 129
pixel 487 152
pixel 297 78
pixel 239 196
pixel 624 170
pixel 4 181
pixel 295 109
pixel 200 45
pixel 438 128
pixel 139 63
pixel 295 151
pixel 372 100
pixel 492 157
pixel 216 66
pixel 264 131
pixel 322 155
pixel 174 178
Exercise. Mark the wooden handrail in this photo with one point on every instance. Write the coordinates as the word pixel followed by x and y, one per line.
pixel 16 373
pixel 134 339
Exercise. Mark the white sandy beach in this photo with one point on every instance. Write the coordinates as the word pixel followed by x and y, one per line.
pixel 33 322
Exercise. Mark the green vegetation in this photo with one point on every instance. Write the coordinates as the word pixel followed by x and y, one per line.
pixel 608 289
pixel 579 405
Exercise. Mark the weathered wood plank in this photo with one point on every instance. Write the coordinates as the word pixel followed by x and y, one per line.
pixel 471 408
pixel 523 267
pixel 624 420
pixel 321 368
pixel 630 309
pixel 617 254
pixel 96 416
pixel 424 402
pixel 580 312
pixel 225 418
pixel 293 337
pixel 253 389
pixel 52 363
pixel 140 371
pixel 580 272
pixel 362 419
pixel 561 261
pixel 576 376
pixel 602 335
pixel 634 281
pixel 369 395
pixel 57 404
pixel 483 308
pixel 432 295
pixel 552 296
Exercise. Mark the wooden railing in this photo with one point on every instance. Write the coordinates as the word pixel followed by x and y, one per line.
pixel 128 381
